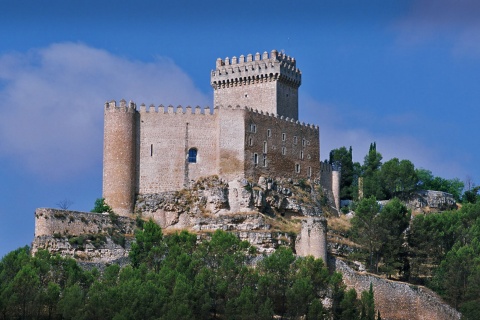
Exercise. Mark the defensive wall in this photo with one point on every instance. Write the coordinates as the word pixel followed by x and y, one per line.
pixel 398 300
pixel 264 82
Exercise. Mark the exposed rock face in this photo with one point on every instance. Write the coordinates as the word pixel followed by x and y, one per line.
pixel 398 300
pixel 431 201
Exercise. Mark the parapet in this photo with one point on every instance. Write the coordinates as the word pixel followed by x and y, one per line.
pixel 283 118
pixel 258 68
pixel 112 106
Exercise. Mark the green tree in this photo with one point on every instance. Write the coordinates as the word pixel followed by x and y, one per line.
pixel 365 229
pixel 393 220
pixel 399 178
pixel 101 206
pixel 367 305
pixel 342 159
pixel 371 173
pixel 149 247
pixel 427 181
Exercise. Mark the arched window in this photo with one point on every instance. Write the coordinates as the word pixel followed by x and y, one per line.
pixel 192 155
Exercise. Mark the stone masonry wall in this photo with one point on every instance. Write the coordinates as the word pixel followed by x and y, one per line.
pixel 119 156
pixel 398 300
pixel 283 148
pixel 312 239
pixel 164 139
pixel 267 82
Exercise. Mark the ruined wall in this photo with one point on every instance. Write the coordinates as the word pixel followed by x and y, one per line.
pixel 119 156
pixel 264 82
pixel 164 138
pixel 398 300
pixel 87 237
pixel 280 147
pixel 312 239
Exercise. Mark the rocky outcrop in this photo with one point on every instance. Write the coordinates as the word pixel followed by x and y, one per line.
pixel 431 201
pixel 398 300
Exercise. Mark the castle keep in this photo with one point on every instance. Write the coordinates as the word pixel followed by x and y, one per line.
pixel 252 131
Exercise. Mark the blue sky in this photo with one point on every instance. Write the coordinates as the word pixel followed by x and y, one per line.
pixel 405 74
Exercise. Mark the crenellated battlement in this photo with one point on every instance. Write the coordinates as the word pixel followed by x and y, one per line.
pixel 281 117
pixel 256 69
pixel 161 109
pixel 123 106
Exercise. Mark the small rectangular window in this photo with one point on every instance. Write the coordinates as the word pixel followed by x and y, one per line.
pixel 309 172
pixel 297 168
pixel 253 128
pixel 284 137
pixel 151 150
pixel 304 142
pixel 255 158
pixel 250 142
pixel 295 140
pixel 301 155
pixel 264 160
pixel 284 150
pixel 269 133
pixel 264 146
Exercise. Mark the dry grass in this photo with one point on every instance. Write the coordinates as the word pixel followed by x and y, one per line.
pixel 340 224
pixel 284 225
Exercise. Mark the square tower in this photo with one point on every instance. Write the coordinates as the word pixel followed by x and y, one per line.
pixel 266 83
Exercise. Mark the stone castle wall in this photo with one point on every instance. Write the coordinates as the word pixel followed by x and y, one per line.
pixel 280 147
pixel 264 82
pixel 312 239
pixel 163 140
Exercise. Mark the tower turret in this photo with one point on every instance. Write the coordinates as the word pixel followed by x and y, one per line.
pixel 265 82
pixel 119 157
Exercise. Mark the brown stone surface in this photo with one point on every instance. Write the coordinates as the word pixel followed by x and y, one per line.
pixel 398 300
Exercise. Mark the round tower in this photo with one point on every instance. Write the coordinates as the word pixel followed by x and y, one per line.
pixel 119 157
pixel 336 177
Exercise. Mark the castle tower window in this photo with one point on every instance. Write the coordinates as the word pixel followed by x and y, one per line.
pixel 151 150
pixel 297 168
pixel 192 155
pixel 284 136
pixel 295 140
pixel 309 172
pixel 265 147
pixel 269 133
pixel 284 150
pixel 264 160
pixel 255 158
pixel 301 155
pixel 253 128
pixel 250 141
pixel 304 142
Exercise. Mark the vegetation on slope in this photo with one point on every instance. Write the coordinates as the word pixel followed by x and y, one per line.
pixel 176 277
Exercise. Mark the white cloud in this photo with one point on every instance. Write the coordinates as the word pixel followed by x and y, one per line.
pixel 52 102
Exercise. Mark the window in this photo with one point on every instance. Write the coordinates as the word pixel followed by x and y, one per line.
pixel 284 136
pixel 151 150
pixel 192 155
pixel 304 142
pixel 309 172
pixel 284 150
pixel 295 140
pixel 253 128
pixel 265 147
pixel 264 160
pixel 301 155
pixel 250 141
pixel 269 133
pixel 297 168
pixel 255 158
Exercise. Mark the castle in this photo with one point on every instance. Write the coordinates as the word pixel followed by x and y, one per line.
pixel 252 131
